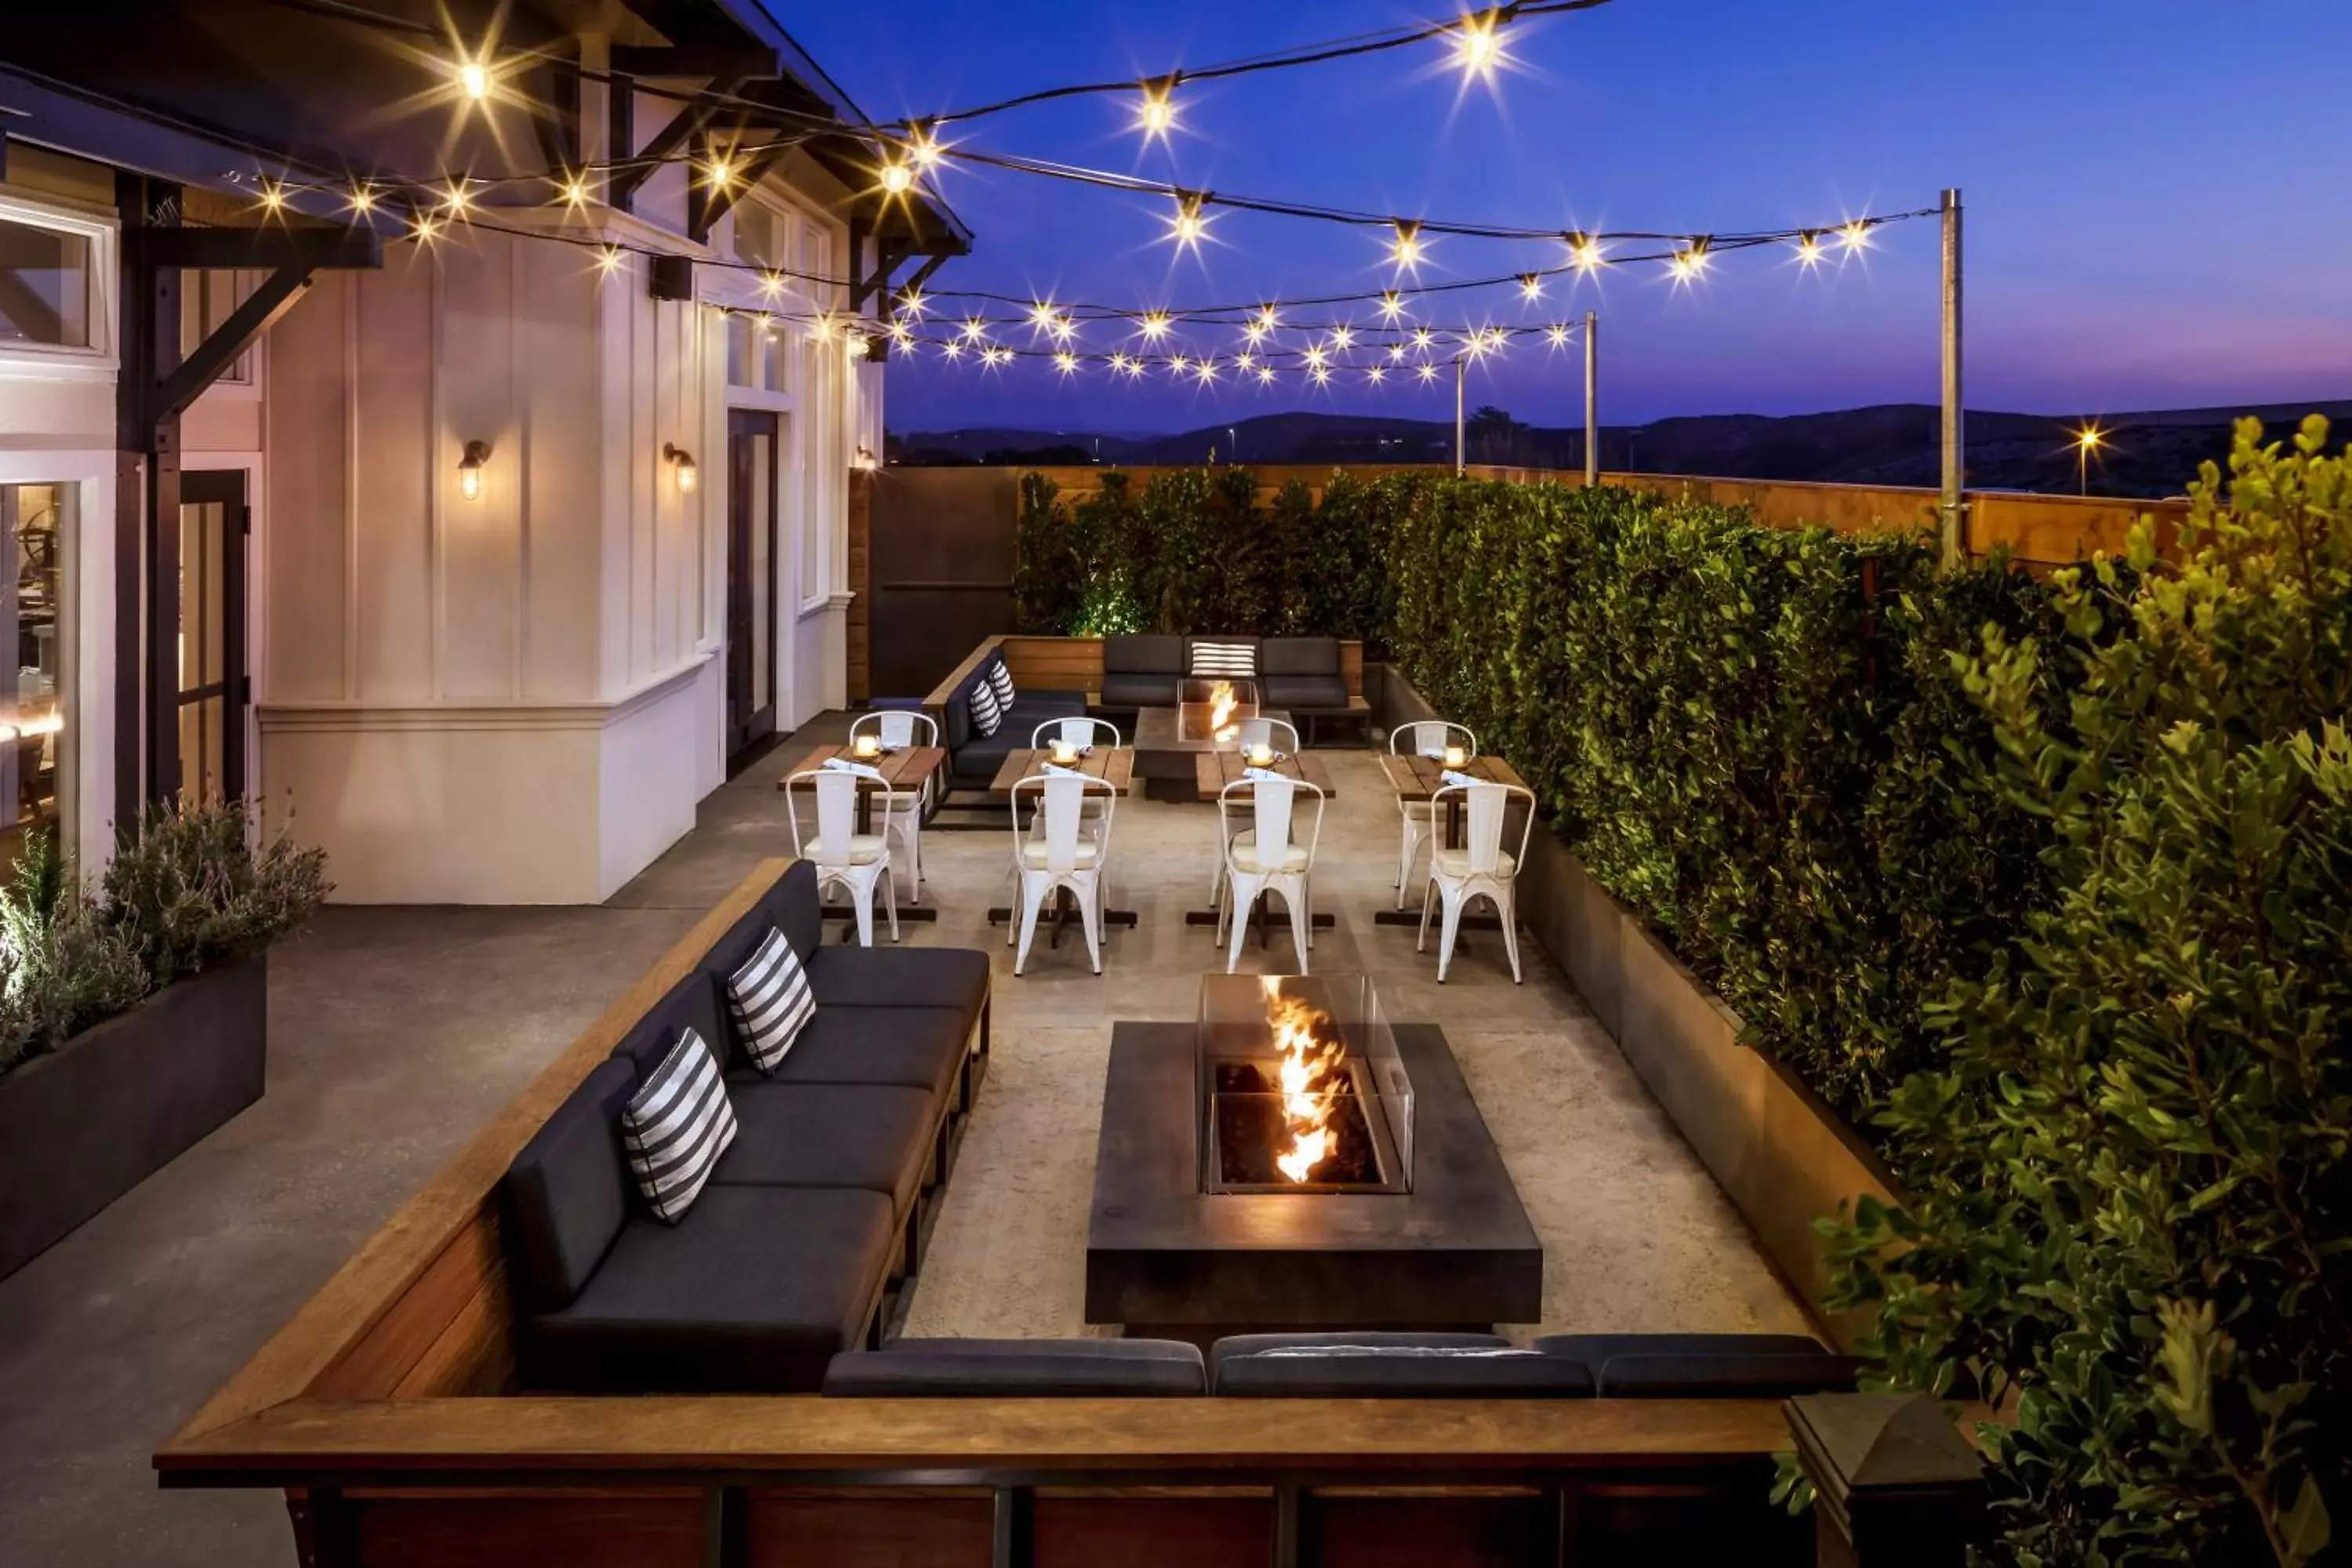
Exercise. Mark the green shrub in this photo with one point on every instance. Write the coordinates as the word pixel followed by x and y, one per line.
pixel 198 886
pixel 63 966
pixel 2131 1212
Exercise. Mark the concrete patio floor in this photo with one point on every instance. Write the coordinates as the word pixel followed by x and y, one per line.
pixel 396 1032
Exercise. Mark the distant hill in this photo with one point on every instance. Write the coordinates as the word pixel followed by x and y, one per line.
pixel 2148 454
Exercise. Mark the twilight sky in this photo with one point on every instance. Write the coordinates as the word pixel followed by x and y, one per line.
pixel 2157 212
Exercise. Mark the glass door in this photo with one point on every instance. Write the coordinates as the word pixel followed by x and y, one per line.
pixel 752 441
pixel 33 744
pixel 213 691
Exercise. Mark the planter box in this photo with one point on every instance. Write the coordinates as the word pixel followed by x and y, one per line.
pixel 86 1123
pixel 1781 1156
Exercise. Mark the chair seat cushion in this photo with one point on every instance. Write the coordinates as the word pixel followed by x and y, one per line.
pixel 864 849
pixel 755 1293
pixel 918 1047
pixel 1013 1369
pixel 569 1191
pixel 876 1137
pixel 1120 690
pixel 1389 1366
pixel 1297 692
pixel 1456 863
pixel 1245 855
pixel 1143 654
pixel 846 977
pixel 1035 853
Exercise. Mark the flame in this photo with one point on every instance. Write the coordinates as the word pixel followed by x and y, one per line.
pixel 1310 1077
pixel 1222 704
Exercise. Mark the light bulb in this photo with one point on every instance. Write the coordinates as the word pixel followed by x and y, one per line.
pixel 1423 337
pixel 1478 47
pixel 911 303
pixel 1067 363
pixel 1396 354
pixel 974 330
pixel 273 196
pixel 1583 252
pixel 1343 337
pixel 1154 326
pixel 1377 374
pixel 1427 372
pixel 1187 229
pixel 1531 287
pixel 1265 376
pixel 898 179
pixel 1556 333
pixel 1808 248
pixel 608 260
pixel 363 200
pixel 1207 371
pixel 474 78
pixel 771 284
pixel 1156 116
pixel 923 148
pixel 995 354
pixel 1855 235
pixel 721 173
pixel 1392 305
pixel 1406 250
pixel 1041 314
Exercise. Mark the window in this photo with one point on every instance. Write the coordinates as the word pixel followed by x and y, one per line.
pixel 44 286
pixel 758 235
pixel 34 756
pixel 756 347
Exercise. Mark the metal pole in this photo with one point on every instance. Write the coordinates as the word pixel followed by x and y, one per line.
pixel 1461 452
pixel 1591 397
pixel 1951 510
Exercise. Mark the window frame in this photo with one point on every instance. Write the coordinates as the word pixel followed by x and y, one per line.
pixel 97 357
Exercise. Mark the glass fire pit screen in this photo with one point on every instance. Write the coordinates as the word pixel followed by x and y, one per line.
pixel 1214 709
pixel 1300 1087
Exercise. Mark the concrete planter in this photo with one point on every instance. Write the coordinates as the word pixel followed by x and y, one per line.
pixel 1781 1156
pixel 86 1123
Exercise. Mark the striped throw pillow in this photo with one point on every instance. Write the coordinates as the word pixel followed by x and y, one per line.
pixel 1225 659
pixel 773 1002
pixel 676 1126
pixel 1002 678
pixel 987 713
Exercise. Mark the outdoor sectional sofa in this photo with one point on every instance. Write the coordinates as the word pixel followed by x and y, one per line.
pixel 1303 676
pixel 973 757
pixel 1356 1365
pixel 814 1218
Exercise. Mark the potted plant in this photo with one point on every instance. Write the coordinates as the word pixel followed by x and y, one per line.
pixel 133 1015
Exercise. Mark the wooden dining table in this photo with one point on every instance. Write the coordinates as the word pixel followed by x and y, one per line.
pixel 1417 780
pixel 906 770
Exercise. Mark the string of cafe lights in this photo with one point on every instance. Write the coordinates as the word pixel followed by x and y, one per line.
pixel 910 154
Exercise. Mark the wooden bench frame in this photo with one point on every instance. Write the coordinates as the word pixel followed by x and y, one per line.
pixel 385 1409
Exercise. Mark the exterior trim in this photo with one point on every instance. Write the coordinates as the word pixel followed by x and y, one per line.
pixel 329 718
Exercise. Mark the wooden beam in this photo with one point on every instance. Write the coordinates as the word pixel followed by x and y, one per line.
pixel 256 250
pixel 690 121
pixel 717 205
pixel 713 62
pixel 262 309
pixel 555 119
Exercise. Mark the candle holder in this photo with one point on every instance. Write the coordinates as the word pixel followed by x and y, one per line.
pixel 1261 755
pixel 866 747
pixel 1065 754
pixel 1455 756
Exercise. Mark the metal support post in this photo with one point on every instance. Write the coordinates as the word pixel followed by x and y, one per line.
pixel 1951 508
pixel 1461 450
pixel 1591 397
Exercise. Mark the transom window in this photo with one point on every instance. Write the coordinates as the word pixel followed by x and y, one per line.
pixel 44 286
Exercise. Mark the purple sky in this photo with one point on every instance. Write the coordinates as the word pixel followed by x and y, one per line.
pixel 2155 208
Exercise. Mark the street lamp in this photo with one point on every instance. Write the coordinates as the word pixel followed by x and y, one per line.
pixel 2088 439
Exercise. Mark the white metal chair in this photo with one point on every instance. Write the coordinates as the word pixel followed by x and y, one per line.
pixel 1267 858
pixel 1430 738
pixel 1481 869
pixel 1277 735
pixel 1079 733
pixel 845 858
pixel 1062 850
pixel 903 810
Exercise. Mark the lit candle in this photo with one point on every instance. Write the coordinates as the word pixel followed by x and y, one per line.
pixel 1261 754
pixel 867 745
pixel 1455 756
pixel 1064 752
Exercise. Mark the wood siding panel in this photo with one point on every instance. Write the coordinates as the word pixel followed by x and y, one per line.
pixel 418 1324
pixel 564 1532
pixel 1154 1532
pixel 782 1531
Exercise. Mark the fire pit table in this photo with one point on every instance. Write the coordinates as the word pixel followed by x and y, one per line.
pixel 1290 1160
pixel 1169 741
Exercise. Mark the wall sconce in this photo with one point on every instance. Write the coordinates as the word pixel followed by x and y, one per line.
pixel 682 470
pixel 469 470
pixel 864 461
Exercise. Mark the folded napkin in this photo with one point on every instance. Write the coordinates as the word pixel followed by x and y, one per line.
pixel 1058 770
pixel 1435 753
pixel 1265 775
pixel 1450 776
pixel 862 770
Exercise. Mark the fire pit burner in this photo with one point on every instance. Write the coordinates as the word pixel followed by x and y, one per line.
pixel 1301 1089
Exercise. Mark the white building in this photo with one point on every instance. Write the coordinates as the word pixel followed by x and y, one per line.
pixel 533 542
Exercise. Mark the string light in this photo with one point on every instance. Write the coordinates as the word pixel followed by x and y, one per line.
pixel 608 260
pixel 1689 264
pixel 1265 376
pixel 1245 362
pixel 976 330
pixel 897 178
pixel 474 78
pixel 1423 337
pixel 994 355
pixel 1187 229
pixel 1556 335
pixel 273 196
pixel 1343 337
pixel 1376 376
pixel 1268 316
pixel 1583 252
pixel 901 333
pixel 1478 50
pixel 953 351
pixel 1855 235
pixel 1061 329
pixel 1427 372
pixel 363 200
pixel 1531 287
pixel 822 328
pixel 1391 306
pixel 923 148
pixel 911 302
pixel 771 284
pixel 1118 364
pixel 1066 363
pixel 1396 354
pixel 1320 376
pixel 1809 249
pixel 1156 116
pixel 721 173
pixel 1315 356
pixel 456 199
pixel 1041 315
pixel 1406 250
pixel 1154 326
pixel 1207 371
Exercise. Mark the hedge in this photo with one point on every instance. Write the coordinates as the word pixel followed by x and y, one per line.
pixel 1750 735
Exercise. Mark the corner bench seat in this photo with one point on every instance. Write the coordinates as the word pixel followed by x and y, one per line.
pixel 1390 1365
pixel 873 1136
pixel 983 1369
pixel 1700 1366
pixel 915 1048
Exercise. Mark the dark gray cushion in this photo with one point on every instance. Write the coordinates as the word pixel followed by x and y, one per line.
pixel 567 1194
pixel 790 905
pixel 1013 1369
pixel 692 1004
pixel 1592 1349
pixel 1389 1366
pixel 917 1047
pixel 1302 693
pixel 873 1136
pixel 1141 690
pixel 1725 1376
pixel 755 1292
pixel 844 975
pixel 1143 656
pixel 1299 655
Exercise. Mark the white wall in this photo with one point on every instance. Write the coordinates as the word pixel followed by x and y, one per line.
pixel 495 699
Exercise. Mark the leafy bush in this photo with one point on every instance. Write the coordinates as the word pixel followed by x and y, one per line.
pixel 188 890
pixel 2130 1203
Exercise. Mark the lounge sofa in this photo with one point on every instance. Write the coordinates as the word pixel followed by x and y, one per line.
pixel 810 1218
pixel 973 757
pixel 1353 1365
pixel 1300 676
